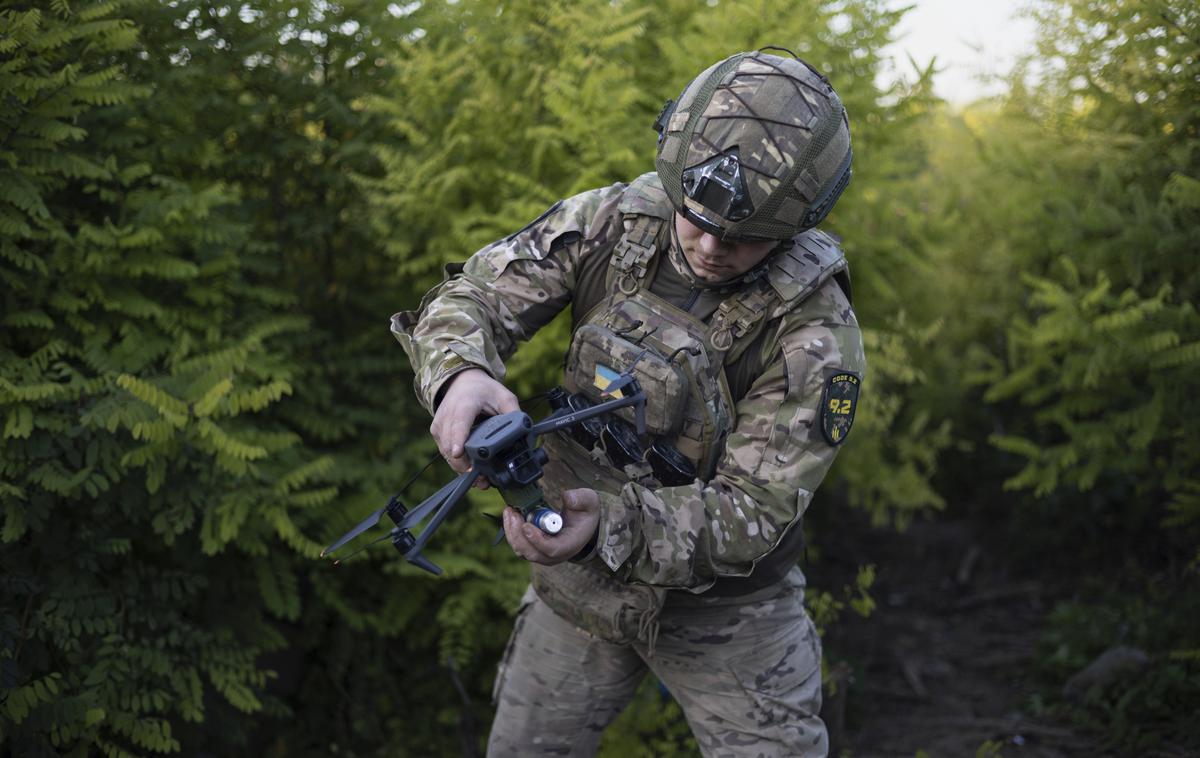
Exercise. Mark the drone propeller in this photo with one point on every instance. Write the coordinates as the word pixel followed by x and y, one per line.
pixel 340 561
pixel 436 507
pixel 438 504
pixel 499 523
pixel 363 526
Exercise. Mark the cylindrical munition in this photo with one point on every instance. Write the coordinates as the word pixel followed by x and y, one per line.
pixel 546 519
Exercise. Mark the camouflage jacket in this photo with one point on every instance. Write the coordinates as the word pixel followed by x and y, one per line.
pixel 685 537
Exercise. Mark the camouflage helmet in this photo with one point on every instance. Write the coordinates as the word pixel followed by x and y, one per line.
pixel 757 147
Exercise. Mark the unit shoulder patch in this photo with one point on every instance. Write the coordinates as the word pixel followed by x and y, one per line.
pixel 839 401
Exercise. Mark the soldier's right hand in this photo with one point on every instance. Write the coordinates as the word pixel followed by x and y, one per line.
pixel 468 394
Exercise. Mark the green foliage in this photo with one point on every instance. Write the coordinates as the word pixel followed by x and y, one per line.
pixel 167 399
pixel 208 209
pixel 895 435
pixel 1063 227
pixel 825 608
pixel 117 281
pixel 1139 713
pixel 990 749
pixel 1109 375
pixel 1087 338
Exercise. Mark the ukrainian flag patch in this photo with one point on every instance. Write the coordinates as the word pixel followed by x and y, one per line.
pixel 603 379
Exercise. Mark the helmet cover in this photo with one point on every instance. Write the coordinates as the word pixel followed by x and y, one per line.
pixel 757 147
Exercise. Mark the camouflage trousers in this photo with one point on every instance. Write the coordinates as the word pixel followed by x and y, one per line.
pixel 745 670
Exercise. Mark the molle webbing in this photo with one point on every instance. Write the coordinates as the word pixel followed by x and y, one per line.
pixel 737 317
pixel 803 266
pixel 636 249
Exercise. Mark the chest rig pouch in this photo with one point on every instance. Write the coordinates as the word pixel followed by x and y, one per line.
pixel 678 359
pixel 599 354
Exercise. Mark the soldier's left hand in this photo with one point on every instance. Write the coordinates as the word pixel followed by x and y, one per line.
pixel 581 518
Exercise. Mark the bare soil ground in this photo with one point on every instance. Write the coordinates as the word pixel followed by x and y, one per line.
pixel 943 663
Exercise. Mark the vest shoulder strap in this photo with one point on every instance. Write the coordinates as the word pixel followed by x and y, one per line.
pixel 636 248
pixel 645 210
pixel 645 196
pixel 792 275
pixel 738 315
pixel 797 271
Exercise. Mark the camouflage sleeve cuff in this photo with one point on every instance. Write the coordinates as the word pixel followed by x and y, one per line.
pixel 436 366
pixel 453 366
pixel 614 537
pixel 588 553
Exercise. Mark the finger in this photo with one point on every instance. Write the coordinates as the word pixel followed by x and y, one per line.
pixel 507 402
pixel 450 432
pixel 548 548
pixel 458 431
pixel 515 535
pixel 441 435
pixel 583 500
pixel 435 431
pixel 528 542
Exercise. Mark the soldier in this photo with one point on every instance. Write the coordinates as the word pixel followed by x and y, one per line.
pixel 708 281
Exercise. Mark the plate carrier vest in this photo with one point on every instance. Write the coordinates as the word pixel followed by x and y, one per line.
pixel 680 363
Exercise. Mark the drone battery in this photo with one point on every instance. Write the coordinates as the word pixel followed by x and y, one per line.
pixel 546 519
pixel 621 443
pixel 587 432
pixel 670 466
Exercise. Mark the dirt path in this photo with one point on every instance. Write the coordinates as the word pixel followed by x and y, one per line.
pixel 942 664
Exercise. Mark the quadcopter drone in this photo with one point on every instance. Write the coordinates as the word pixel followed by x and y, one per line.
pixel 504 450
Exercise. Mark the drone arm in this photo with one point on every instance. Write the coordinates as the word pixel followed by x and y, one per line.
pixel 560 421
pixel 439 504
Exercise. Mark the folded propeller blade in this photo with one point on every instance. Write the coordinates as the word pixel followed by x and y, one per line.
pixel 340 561
pixel 363 526
pixel 499 522
pixel 421 561
pixel 439 504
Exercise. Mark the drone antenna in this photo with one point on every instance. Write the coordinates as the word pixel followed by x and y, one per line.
pixel 339 561
pixel 634 362
pixel 539 397
pixel 417 475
